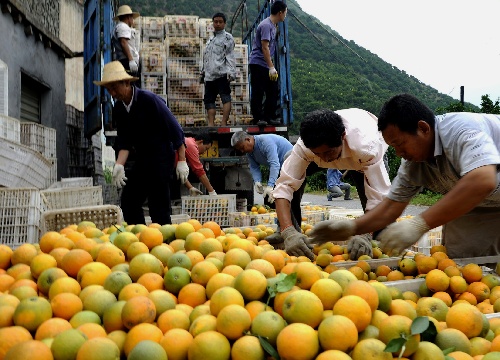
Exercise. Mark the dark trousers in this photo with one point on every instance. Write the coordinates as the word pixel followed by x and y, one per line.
pixel 262 85
pixel 151 182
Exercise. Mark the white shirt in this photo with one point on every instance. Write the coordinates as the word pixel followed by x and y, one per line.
pixel 122 30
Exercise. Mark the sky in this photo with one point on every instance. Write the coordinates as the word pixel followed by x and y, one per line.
pixel 443 43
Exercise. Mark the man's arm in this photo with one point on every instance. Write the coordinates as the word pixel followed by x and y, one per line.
pixel 266 51
pixel 122 156
pixel 204 180
pixel 126 49
pixel 230 59
pixel 254 169
pixel 182 152
pixel 270 150
pixel 283 211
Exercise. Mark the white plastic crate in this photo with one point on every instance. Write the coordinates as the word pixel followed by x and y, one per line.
pixel 111 194
pixel 20 213
pixel 342 214
pixel 312 217
pixel 74 197
pixel 39 137
pixel 209 208
pixel 53 172
pixel 181 25
pixel 431 238
pixel 21 166
pixel 183 47
pixel 77 182
pixel 175 219
pixel 10 128
pixel 246 218
pixel 102 216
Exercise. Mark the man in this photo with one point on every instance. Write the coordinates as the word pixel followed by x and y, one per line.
pixel 457 155
pixel 219 69
pixel 263 73
pixel 335 185
pixel 123 39
pixel 146 125
pixel 195 146
pixel 344 139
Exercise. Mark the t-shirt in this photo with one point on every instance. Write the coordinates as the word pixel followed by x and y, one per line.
pixel 265 31
pixel 122 30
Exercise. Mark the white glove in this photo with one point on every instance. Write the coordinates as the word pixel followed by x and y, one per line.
pixel 133 66
pixel 400 235
pixel 212 193
pixel 360 245
pixel 268 191
pixel 119 176
pixel 194 191
pixel 259 188
pixel 230 77
pixel 273 74
pixel 182 171
pixel 332 230
pixel 296 243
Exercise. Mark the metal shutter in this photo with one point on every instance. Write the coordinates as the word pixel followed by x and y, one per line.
pixel 4 91
pixel 30 103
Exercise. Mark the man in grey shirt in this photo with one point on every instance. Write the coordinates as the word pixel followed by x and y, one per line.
pixel 123 40
pixel 457 155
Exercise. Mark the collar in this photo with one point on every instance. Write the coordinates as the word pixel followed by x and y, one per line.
pixel 220 32
pixel 129 106
pixel 438 146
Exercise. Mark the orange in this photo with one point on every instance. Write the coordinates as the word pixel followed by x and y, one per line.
pixel 23 282
pixel 328 291
pixel 268 324
pixel 124 239
pixel 209 345
pixel 7 312
pixel 452 271
pixel 67 344
pixel 465 318
pixel 439 255
pixel 32 312
pixel 394 327
pixel 217 281
pixel 151 281
pixel 176 278
pixel 212 225
pixel 426 264
pixel 472 273
pixel 147 349
pixel 92 330
pixel 364 290
pixel 307 275
pixel 251 283
pixel 193 241
pixel 135 249
pixel 178 245
pixel 139 333
pixel 24 254
pixel 238 257
pixel 112 317
pixel 233 321
pixel 65 305
pixel 196 224
pixel 343 277
pixel 467 296
pixel 27 349
pixel 443 296
pixel 110 255
pixel 432 307
pixel 437 280
pixel 210 245
pixel 41 262
pixel 74 260
pixel 195 256
pixel 176 343
pixel 459 355
pixel 64 285
pixel 183 230
pixel 303 306
pixel 480 290
pixel 139 309
pixel 173 319
pixel 51 328
pixel 458 285
pixel 47 241
pixel 11 336
pixel 98 348
pixel 395 275
pixel 98 301
pixel 371 349
pixel 116 281
pixel 162 253
pixel 151 237
pixel 223 297
pixel 93 273
pixel 297 341
pixel 275 258
pixel 402 307
pixel 23 292
pixel 444 263
pixel 280 298
pixel 179 259
pixel 246 348
pixel 192 294
pixel 202 323
pixel 256 307
pixel 66 242
pixel 199 311
pixel 202 272
pixel 333 355
pixel 83 243
pixel 480 346
pixel 18 269
pixel 144 263
pixel 232 270
pixel 337 332
pixel 58 254
pixel 356 309
pixel 5 282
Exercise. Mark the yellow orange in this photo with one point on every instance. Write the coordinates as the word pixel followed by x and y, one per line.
pixel 233 321
pixel 176 343
pixel 337 332
pixel 74 260
pixel 356 309
pixel 303 306
pixel 137 310
pixel 297 341
pixel 65 305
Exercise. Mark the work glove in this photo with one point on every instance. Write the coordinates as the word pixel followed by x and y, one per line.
pixel 296 243
pixel 194 191
pixel 360 245
pixel 119 176
pixel 268 191
pixel 133 66
pixel 273 74
pixel 259 188
pixel 182 171
pixel 332 230
pixel 401 235
pixel 230 77
pixel 212 193
pixel 274 238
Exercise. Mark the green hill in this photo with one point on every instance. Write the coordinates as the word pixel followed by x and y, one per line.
pixel 327 70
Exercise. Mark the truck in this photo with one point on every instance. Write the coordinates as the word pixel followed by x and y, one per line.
pixel 227 170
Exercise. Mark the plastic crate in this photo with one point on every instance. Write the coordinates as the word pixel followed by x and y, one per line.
pixel 181 25
pixel 186 107
pixel 40 138
pixel 209 208
pixel 153 61
pixel 342 214
pixel 77 182
pixel 21 166
pixel 10 128
pixel 185 88
pixel 111 194
pixel 241 54
pixel 20 213
pixel 102 216
pixel 246 218
pixel 183 47
pixel 175 219
pixel 152 27
pixel 154 82
pixel 314 216
pixel 431 238
pixel 65 198
pixel 206 26
pixel 53 172
pixel 183 68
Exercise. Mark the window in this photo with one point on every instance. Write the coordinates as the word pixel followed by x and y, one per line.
pixel 4 90
pixel 31 99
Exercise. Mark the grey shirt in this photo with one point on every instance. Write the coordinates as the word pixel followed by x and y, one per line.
pixel 218 57
pixel 122 30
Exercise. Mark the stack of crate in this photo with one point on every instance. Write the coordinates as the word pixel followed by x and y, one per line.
pixel 183 48
pixel 77 144
pixel 152 54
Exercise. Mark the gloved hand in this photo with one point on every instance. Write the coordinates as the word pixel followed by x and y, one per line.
pixel 119 176
pixel 230 77
pixel 332 230
pixel 212 193
pixel 194 191
pixel 133 66
pixel 268 191
pixel 360 245
pixel 182 171
pixel 296 243
pixel 273 74
pixel 401 235
pixel 259 188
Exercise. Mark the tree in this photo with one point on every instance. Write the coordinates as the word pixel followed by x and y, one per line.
pixel 487 105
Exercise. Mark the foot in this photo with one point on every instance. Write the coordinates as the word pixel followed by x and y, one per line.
pixel 347 198
pixel 329 198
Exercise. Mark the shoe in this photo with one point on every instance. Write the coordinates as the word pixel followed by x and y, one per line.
pixel 261 123
pixel 348 199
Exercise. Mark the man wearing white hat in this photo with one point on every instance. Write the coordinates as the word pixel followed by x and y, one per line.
pixel 145 125
pixel 123 39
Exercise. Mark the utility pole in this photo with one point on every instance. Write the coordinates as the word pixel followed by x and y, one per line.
pixel 462 95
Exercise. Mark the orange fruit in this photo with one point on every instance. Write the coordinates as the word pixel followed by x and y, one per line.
pixel 58 254
pixel 465 318
pixel 32 312
pixel 223 297
pixel 307 275
pixel 328 291
pixel 110 255
pixel 480 290
pixel 364 290
pixel 298 341
pixel 268 324
pixel 124 239
pixel 151 237
pixel 116 281
pixel 233 321
pixel 202 323
pixel 432 307
pixel 192 294
pixel 64 285
pixel 472 273
pixel 67 344
pixel 444 263
pixel 135 249
pixel 209 345
pixel 210 245
pixel 176 343
pixel 98 301
pixel 256 307
pixel 426 264
pixel 141 332
pixel 139 309
pixel 356 309
pixel 27 349
pixel 467 296
pixel 112 317
pixel 232 270
pixel 437 280
pixel 50 328
pixel 402 307
pixel 173 319
pixel 439 255
pixel 458 284
pixel 195 256
pixel 176 278
pixel 280 298
pixel 98 348
pixel 5 282
pixel 145 263
pixel 18 269
pixel 237 256
pixel 202 272
pixel 193 241
pixel 217 281
pixel 41 262
pixel 394 327
pixel 337 332
pixel 199 311
pixel 247 347
pixel 11 336
pixel 93 273
pixel 179 259
pixel 196 224
pixel 303 306
pixel 24 254
pixel 183 230
pixel 92 330
pixel 275 258
pixel 251 283
pixel 65 305
pixel 151 281
pixel 212 225
pixel 47 241
pixel 162 253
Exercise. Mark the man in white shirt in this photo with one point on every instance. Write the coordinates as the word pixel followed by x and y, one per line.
pixel 123 40
pixel 455 154
pixel 344 139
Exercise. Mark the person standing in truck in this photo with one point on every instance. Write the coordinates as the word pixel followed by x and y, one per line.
pixel 123 40
pixel 264 77
pixel 219 69
pixel 144 124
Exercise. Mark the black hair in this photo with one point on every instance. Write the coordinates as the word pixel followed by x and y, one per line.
pixel 405 111
pixel 221 15
pixel 322 127
pixel 277 7
pixel 204 137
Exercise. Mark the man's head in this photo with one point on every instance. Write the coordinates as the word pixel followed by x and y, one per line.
pixel 322 132
pixel 117 81
pixel 219 21
pixel 126 15
pixel 408 125
pixel 243 142
pixel 279 9
pixel 204 141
